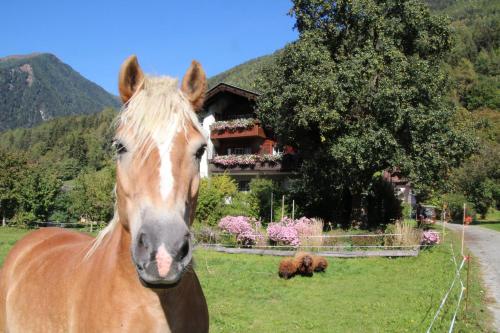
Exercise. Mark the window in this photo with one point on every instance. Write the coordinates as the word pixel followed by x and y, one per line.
pixel 244 185
pixel 239 151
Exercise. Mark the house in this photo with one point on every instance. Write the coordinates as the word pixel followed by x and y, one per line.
pixel 402 187
pixel 239 144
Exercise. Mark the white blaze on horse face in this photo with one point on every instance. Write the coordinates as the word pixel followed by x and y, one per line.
pixel 166 177
pixel 166 171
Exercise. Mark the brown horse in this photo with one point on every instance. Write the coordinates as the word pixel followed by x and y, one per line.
pixel 136 276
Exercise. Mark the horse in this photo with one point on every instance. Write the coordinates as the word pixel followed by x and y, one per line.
pixel 137 274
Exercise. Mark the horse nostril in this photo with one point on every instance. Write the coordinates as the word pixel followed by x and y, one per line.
pixel 184 250
pixel 143 241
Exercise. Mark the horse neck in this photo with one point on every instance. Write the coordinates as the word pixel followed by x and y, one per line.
pixel 115 250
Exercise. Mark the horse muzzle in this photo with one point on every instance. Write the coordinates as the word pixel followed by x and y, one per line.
pixel 162 252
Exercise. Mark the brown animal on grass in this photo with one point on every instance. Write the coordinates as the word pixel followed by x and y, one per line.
pixel 304 263
pixel 319 263
pixel 287 268
pixel 137 276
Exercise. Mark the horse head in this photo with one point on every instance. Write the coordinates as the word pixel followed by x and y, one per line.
pixel 159 144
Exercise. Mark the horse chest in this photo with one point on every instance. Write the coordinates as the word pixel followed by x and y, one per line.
pixel 125 311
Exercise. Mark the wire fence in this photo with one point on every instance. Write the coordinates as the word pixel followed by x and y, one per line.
pixel 457 277
pixel 338 242
pixel 415 246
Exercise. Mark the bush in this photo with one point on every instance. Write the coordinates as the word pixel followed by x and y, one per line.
pixel 23 218
pixel 302 232
pixel 261 190
pixel 455 203
pixel 430 237
pixel 242 203
pixel 242 227
pixel 213 197
pixel 283 233
pixel 406 210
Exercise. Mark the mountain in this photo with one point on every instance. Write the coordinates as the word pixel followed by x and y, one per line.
pixel 474 63
pixel 245 74
pixel 38 87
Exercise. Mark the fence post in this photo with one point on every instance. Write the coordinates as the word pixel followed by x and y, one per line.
pixel 469 259
pixel 272 197
pixel 463 228
pixel 443 217
pixel 282 206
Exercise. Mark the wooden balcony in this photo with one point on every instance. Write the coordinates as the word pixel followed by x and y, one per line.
pixel 256 131
pixel 286 165
pixel 246 169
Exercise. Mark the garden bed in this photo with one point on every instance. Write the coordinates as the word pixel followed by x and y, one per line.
pixel 337 254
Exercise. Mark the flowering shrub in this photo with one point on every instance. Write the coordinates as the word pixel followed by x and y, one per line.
pixel 304 226
pixel 430 237
pixel 248 238
pixel 233 125
pixel 245 160
pixel 235 160
pixel 241 227
pixel 290 232
pixel 283 233
pixel 269 158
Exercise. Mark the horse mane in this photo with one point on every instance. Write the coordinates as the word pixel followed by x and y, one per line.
pixel 154 114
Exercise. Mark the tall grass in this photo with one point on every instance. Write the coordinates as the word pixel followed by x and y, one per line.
pixel 313 235
pixel 404 234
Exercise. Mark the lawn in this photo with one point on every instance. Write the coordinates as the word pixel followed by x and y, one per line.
pixel 492 220
pixel 8 236
pixel 244 293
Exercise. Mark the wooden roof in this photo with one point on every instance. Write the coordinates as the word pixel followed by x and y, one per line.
pixel 224 87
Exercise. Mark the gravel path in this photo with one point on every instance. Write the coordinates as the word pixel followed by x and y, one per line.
pixel 485 245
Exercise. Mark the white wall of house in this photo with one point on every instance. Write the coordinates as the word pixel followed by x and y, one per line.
pixel 208 119
pixel 405 194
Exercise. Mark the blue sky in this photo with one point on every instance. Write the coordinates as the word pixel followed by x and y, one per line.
pixel 94 37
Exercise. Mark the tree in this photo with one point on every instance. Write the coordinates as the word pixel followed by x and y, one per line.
pixel 92 195
pixel 363 90
pixel 37 191
pixel 10 170
pixel 479 179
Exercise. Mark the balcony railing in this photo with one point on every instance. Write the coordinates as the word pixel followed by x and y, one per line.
pixel 242 163
pixel 247 127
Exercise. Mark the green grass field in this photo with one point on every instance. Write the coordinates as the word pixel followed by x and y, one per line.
pixel 8 237
pixel 492 220
pixel 244 293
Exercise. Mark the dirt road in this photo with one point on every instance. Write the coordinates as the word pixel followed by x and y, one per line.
pixel 485 245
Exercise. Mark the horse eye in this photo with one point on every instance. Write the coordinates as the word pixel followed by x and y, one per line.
pixel 200 152
pixel 119 147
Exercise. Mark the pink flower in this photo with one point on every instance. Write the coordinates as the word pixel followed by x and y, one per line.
pixel 245 160
pixel 241 227
pixel 430 237
pixel 288 231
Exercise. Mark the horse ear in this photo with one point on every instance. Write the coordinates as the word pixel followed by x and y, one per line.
pixel 194 85
pixel 131 78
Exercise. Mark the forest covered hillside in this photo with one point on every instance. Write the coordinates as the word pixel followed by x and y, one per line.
pixel 474 64
pixel 38 87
